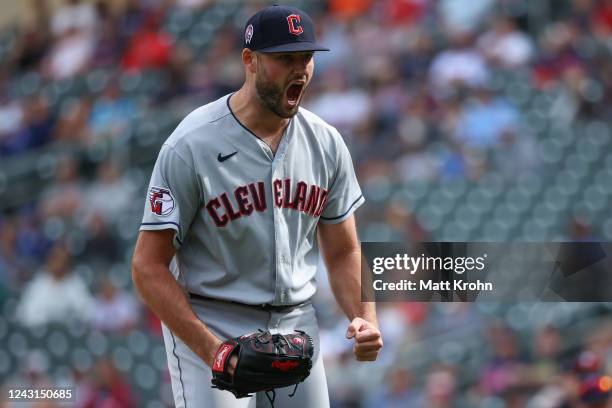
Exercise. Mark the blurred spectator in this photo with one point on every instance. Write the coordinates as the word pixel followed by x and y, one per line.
pixel 458 65
pixel 73 122
pixel 107 388
pixel 602 18
pixel 457 17
pixel 111 113
pixel 505 371
pixel 515 153
pixel 102 245
pixel 108 47
pixel 70 55
pixel 485 119
pixel 74 15
pixel 440 389
pixel 148 47
pixel 12 265
pixel 399 391
pixel 55 294
pixel 405 11
pixel 130 19
pixel 35 40
pixel 193 5
pixel 114 309
pixel 580 230
pixel 11 116
pixel 32 243
pixel 35 130
pixel 348 9
pixel 340 105
pixel 112 195
pixel 506 46
pixel 65 196
pixel 547 355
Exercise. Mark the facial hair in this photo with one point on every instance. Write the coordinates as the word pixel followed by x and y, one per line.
pixel 272 95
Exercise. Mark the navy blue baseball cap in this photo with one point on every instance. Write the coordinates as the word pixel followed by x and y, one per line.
pixel 281 29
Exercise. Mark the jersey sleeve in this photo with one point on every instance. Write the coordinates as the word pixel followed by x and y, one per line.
pixel 344 195
pixel 173 195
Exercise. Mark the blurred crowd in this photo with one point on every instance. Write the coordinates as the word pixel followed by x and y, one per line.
pixel 416 87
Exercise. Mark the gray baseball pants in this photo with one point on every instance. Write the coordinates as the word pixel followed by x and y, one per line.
pixel 191 377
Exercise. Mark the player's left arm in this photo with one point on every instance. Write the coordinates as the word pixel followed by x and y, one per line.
pixel 342 256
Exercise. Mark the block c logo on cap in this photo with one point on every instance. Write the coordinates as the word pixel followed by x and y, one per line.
pixel 294 24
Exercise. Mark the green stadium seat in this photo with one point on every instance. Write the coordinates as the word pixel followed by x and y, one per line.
pixel 455 231
pixel 414 191
pixel 97 343
pixel 97 80
pixel 596 199
pixel 550 153
pixel 576 165
pixel 588 149
pixel 138 342
pixel 607 229
pixel 57 343
pixel 467 217
pixel 567 183
pixel 159 358
pixel 122 358
pixel 178 22
pixel 6 364
pixel 430 217
pixel 453 189
pixel 146 376
pixel 480 200
pixel 555 199
pixel 534 230
pixel 81 359
pixel 29 84
pixel 378 191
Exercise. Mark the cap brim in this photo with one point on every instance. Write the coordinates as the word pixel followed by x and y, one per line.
pixel 294 47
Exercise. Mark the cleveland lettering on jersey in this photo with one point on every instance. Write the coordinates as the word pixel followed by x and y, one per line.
pixel 245 199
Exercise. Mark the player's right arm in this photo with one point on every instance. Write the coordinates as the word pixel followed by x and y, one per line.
pixel 162 293
pixel 172 201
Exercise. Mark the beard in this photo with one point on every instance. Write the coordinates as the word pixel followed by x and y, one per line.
pixel 272 96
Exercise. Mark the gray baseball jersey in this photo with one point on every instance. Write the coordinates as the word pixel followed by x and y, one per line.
pixel 245 218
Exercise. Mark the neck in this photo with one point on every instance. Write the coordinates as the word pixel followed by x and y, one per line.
pixel 253 114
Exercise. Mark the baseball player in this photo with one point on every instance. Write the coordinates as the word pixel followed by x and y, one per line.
pixel 243 194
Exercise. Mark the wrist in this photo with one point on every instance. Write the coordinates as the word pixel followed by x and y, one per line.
pixel 209 350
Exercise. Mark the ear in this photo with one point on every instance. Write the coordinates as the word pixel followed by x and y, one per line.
pixel 249 59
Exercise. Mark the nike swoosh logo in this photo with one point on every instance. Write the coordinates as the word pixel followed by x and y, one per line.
pixel 222 158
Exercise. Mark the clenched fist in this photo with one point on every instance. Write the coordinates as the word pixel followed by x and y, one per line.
pixel 368 340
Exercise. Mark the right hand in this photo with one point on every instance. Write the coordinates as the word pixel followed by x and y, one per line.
pixel 232 365
pixel 232 361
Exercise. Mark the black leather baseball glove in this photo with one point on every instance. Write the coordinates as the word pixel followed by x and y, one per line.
pixel 265 361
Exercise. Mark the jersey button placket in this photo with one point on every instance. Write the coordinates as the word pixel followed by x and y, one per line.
pixel 278 170
pixel 277 214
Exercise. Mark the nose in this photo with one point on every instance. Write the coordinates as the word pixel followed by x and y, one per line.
pixel 300 65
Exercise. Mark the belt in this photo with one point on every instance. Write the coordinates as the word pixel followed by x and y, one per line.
pixel 262 306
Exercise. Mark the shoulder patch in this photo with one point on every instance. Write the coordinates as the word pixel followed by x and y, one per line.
pixel 162 201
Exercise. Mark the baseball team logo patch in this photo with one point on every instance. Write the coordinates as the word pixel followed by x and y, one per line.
pixel 248 34
pixel 162 201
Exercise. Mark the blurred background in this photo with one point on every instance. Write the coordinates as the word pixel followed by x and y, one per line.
pixel 485 120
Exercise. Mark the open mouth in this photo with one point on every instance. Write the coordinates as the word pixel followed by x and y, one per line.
pixel 294 92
